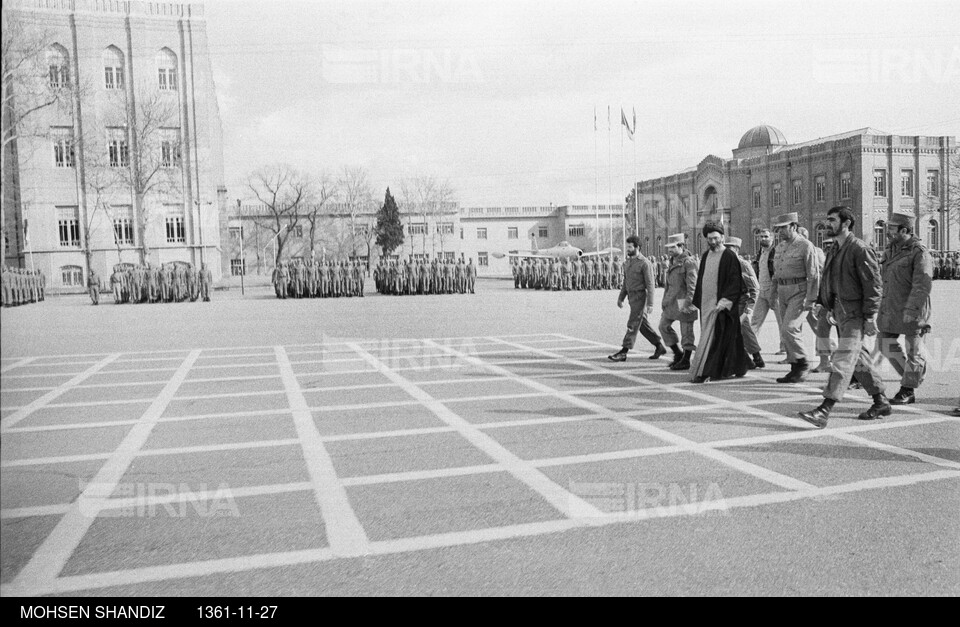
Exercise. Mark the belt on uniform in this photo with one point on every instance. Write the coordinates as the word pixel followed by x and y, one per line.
pixel 802 279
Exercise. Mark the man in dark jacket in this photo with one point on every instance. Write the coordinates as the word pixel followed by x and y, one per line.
pixel 638 288
pixel 850 291
pixel 681 282
pixel 905 309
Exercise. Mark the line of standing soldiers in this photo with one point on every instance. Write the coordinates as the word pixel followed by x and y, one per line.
pixel 22 286
pixel 946 266
pixel 661 265
pixel 422 277
pixel 565 275
pixel 167 283
pixel 319 279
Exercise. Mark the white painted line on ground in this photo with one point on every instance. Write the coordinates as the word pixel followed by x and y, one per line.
pixel 36 510
pixel 200 496
pixel 44 400
pixel 206 397
pixel 213 448
pixel 344 531
pixel 271 364
pixel 570 505
pixel 754 470
pixel 607 456
pixel 149 359
pixel 422 475
pixel 256 377
pixel 123 401
pixel 16 364
pixel 50 557
pixel 376 435
pixel 59 459
pixel 263 561
pixel 71 426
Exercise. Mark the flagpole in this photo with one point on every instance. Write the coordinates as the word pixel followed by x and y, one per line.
pixel 609 178
pixel 623 225
pixel 596 179
pixel 636 184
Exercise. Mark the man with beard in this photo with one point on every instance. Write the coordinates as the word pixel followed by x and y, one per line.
pixel 750 342
pixel 720 288
pixel 797 274
pixel 905 307
pixel 680 285
pixel 638 288
pixel 850 291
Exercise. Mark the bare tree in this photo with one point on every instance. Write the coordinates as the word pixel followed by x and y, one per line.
pixel 284 192
pixel 325 190
pixel 29 85
pixel 431 199
pixel 354 201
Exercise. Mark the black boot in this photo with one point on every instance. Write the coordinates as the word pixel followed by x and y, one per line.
pixel 818 417
pixel 758 361
pixel 684 363
pixel 904 397
pixel 879 409
pixel 620 355
pixel 797 374
pixel 660 351
pixel 677 355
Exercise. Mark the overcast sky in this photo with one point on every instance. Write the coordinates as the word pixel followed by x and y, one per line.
pixel 499 97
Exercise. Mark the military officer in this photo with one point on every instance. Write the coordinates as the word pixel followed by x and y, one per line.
pixel 93 286
pixel 206 282
pixel 798 280
pixel 679 287
pixel 638 288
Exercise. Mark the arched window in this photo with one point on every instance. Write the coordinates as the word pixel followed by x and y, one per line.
pixel 820 234
pixel 879 234
pixel 58 66
pixel 756 240
pixel 167 70
pixel 933 235
pixel 113 68
pixel 71 276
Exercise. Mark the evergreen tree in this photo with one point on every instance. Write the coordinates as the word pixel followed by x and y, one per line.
pixel 389 227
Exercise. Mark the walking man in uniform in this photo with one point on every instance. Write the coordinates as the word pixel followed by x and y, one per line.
pixel 639 289
pixel 850 292
pixel 206 282
pixel 680 284
pixel 798 280
pixel 907 271
pixel 93 286
pixel 767 297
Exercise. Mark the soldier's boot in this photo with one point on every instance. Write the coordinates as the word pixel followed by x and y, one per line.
pixel 758 361
pixel 904 397
pixel 798 372
pixel 658 352
pixel 880 408
pixel 819 415
pixel 620 355
pixel 684 363
pixel 677 355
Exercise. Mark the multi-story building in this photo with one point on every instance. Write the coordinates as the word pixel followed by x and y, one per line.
pixel 476 233
pixel 128 163
pixel 872 172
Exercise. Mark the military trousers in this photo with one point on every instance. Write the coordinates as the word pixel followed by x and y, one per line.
pixel 750 341
pixel 822 328
pixel 792 315
pixel 910 365
pixel 639 323
pixel 687 339
pixel 852 357
pixel 764 306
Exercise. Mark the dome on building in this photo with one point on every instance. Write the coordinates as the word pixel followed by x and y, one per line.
pixel 761 137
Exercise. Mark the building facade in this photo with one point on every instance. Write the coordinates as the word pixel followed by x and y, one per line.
pixel 475 233
pixel 872 172
pixel 127 165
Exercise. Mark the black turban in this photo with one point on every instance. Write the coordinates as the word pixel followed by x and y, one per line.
pixel 711 227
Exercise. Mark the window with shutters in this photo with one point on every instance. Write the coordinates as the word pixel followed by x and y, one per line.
pixel 68 225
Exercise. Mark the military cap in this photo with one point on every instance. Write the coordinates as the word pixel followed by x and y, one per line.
pixel 673 240
pixel 785 219
pixel 901 219
pixel 733 241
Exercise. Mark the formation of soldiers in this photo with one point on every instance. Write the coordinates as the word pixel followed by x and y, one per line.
pixel 946 266
pixel 556 274
pixel 166 283
pixel 421 277
pixel 319 279
pixel 22 286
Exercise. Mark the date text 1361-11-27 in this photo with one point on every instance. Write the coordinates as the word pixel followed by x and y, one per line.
pixel 240 611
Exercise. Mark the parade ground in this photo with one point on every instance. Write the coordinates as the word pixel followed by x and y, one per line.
pixel 450 445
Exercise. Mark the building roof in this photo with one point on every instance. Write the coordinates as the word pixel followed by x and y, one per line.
pixel 762 136
pixel 822 140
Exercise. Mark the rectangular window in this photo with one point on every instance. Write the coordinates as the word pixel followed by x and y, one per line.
pixel 933 182
pixel 845 185
pixel 236 232
pixel 68 224
pixel 113 77
pixel 445 228
pixel 59 76
pixel 118 150
pixel 820 188
pixel 123 225
pixel 576 230
pixel 906 183
pixel 295 230
pixel 777 194
pixel 238 267
pixel 451 256
pixel 170 149
pixel 481 233
pixel 63 148
pixel 175 229
pixel 797 193
pixel 880 183
pixel 543 231
pixel 71 276
pixel 513 232
pixel 417 228
pixel 482 259
pixel 757 198
pixel 168 79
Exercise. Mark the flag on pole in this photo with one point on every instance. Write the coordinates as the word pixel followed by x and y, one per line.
pixel 26 232
pixel 594 118
pixel 626 124
pixel 634 122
